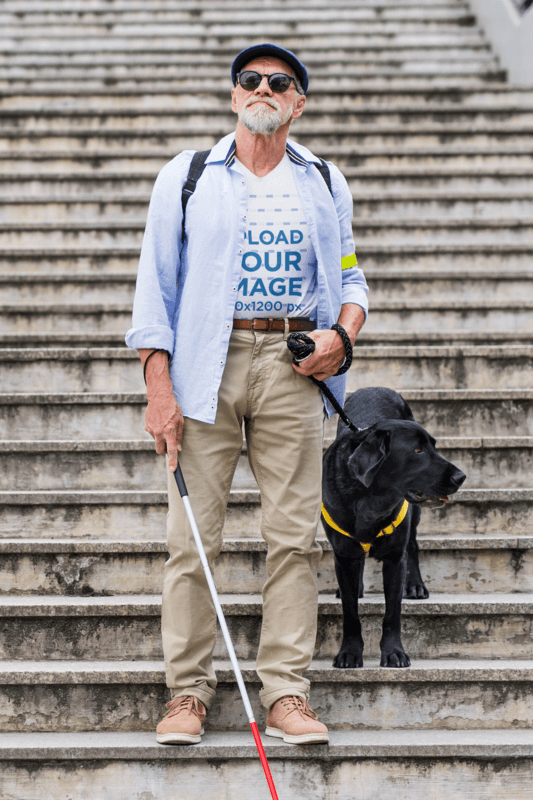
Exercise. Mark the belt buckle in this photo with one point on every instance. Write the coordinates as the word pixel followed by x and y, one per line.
pixel 268 327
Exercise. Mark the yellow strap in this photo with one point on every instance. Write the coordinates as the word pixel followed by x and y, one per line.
pixel 349 261
pixel 385 532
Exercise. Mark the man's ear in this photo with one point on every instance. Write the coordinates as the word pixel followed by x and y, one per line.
pixel 367 459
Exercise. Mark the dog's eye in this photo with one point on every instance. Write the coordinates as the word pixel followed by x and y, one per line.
pixel 419 450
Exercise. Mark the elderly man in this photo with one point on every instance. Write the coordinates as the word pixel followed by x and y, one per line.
pixel 266 248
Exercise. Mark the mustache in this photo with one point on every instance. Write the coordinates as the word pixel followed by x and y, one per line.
pixel 269 100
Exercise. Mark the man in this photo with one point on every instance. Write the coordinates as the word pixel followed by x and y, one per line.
pixel 267 249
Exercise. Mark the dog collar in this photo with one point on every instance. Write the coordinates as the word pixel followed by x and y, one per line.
pixel 384 532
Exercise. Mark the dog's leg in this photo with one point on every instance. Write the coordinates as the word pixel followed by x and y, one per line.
pixel 392 652
pixel 414 585
pixel 361 586
pixel 349 575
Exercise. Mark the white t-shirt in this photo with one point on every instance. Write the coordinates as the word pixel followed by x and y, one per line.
pixel 278 274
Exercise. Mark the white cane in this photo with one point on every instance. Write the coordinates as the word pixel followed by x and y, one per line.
pixel 225 632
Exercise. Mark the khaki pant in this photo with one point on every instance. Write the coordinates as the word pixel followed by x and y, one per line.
pixel 283 418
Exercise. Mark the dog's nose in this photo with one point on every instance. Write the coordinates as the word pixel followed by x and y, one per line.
pixel 458 478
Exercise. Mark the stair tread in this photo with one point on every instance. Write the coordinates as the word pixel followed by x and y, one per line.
pixel 250 605
pixel 138 671
pixel 436 541
pixel 492 743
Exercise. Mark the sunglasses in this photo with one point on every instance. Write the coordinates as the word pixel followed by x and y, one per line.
pixel 278 82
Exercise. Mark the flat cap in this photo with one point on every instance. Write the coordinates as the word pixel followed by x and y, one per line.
pixel 266 49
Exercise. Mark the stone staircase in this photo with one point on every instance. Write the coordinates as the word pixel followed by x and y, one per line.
pixel 408 99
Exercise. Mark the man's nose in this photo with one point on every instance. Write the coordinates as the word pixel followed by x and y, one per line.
pixel 263 86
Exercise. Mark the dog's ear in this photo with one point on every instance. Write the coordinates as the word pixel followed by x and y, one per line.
pixel 367 459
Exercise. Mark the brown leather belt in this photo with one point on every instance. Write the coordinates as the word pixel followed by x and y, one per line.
pixel 269 324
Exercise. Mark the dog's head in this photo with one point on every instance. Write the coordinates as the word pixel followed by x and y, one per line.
pixel 400 455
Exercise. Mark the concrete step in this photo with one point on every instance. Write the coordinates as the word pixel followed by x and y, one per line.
pixel 117 20
pixel 141 515
pixel 198 69
pixel 61 416
pixel 100 160
pixel 201 138
pixel 38 696
pixel 449 564
pixel 414 259
pixel 89 287
pixel 420 315
pixel 464 64
pixel 118 369
pixel 365 337
pixel 432 284
pixel 385 285
pixel 393 232
pixel 52 261
pixel 362 182
pixel 46 318
pixel 234 26
pixel 126 627
pixel 435 258
pixel 381 74
pixel 489 462
pixel 199 7
pixel 99 762
pixel 404 35
pixel 375 258
pixel 108 109
pixel 85 287
pixel 377 206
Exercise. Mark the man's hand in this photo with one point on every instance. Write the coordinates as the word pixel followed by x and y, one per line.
pixel 163 419
pixel 329 351
pixel 327 358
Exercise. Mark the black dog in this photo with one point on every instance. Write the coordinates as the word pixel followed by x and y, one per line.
pixel 374 483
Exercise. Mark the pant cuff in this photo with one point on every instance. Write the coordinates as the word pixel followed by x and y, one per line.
pixel 205 696
pixel 268 698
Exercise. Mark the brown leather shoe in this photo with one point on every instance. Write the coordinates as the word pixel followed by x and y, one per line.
pixel 292 719
pixel 183 723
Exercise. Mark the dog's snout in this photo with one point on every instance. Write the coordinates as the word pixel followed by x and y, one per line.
pixel 458 478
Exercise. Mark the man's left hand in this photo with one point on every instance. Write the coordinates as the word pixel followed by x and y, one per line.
pixel 328 356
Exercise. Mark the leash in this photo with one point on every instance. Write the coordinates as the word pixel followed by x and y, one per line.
pixel 225 632
pixel 302 346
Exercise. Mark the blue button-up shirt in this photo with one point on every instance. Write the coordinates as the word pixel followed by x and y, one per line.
pixel 185 295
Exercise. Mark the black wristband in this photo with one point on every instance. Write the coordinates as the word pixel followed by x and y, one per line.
pixel 347 348
pixel 148 359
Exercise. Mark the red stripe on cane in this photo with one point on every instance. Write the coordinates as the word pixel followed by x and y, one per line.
pixel 264 762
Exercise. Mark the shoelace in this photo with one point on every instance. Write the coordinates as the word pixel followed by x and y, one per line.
pixel 189 703
pixel 296 703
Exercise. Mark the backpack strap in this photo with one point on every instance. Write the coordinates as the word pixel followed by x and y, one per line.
pixel 195 172
pixel 324 171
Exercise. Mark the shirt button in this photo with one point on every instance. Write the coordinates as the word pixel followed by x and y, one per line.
pixel 240 251
pixel 242 183
pixel 221 362
pixel 234 288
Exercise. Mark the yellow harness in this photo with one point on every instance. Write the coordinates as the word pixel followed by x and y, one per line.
pixel 385 532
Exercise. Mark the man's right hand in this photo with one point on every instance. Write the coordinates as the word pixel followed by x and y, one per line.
pixel 164 418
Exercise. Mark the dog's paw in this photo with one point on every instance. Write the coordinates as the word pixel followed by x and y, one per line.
pixel 347 660
pixel 395 658
pixel 415 590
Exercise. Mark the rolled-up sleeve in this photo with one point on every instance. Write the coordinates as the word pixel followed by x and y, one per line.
pixel 354 286
pixel 156 289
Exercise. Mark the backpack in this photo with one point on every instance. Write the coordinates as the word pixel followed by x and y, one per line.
pixel 198 166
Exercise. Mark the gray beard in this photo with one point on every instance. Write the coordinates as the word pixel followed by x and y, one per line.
pixel 264 120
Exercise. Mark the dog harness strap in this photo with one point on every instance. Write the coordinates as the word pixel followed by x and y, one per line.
pixel 385 532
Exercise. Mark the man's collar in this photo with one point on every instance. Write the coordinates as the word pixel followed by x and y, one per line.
pixel 224 152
